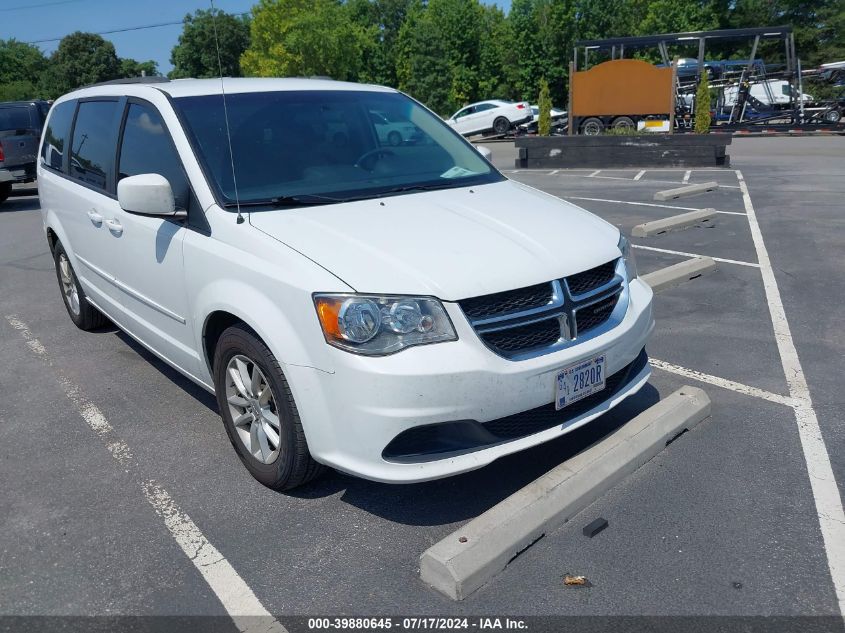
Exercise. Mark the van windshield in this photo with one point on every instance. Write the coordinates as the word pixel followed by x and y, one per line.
pixel 326 146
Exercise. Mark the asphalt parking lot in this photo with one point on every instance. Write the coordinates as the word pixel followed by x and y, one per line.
pixel 737 518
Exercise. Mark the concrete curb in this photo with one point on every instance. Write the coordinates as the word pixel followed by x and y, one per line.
pixel 679 273
pixel 468 558
pixel 682 221
pixel 687 190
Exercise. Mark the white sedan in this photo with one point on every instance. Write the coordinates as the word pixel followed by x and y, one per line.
pixel 486 116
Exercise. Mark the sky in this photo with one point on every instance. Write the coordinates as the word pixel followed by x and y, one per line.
pixel 37 20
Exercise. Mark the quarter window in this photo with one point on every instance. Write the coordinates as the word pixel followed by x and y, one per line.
pixel 147 149
pixel 56 135
pixel 92 149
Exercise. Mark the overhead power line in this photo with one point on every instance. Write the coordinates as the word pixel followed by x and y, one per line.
pixel 123 30
pixel 36 6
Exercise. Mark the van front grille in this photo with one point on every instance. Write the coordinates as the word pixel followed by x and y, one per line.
pixel 539 319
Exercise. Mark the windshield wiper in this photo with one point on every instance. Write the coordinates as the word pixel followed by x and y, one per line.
pixel 298 200
pixel 433 187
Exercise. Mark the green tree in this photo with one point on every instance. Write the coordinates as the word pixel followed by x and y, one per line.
pixel 544 103
pixel 498 58
pixel 294 38
pixel 21 66
pixel 195 54
pixel 19 91
pixel 671 16
pixel 421 69
pixel 381 21
pixel 80 59
pixel 702 106
pixel 831 40
pixel 132 68
pixel 451 52
pixel 544 31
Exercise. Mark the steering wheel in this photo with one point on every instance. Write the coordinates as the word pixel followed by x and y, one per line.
pixel 378 152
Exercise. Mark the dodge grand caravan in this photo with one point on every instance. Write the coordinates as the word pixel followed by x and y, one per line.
pixel 401 312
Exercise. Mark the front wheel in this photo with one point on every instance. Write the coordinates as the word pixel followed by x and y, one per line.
pixel 394 138
pixel 259 411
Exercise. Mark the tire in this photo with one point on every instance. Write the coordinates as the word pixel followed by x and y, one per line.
pixel 394 138
pixel 288 465
pixel 592 127
pixel 832 116
pixel 83 314
pixel 5 191
pixel 623 123
pixel 501 125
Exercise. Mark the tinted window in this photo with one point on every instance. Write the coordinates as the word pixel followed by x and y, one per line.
pixel 93 147
pixel 147 149
pixel 485 106
pixel 15 118
pixel 56 134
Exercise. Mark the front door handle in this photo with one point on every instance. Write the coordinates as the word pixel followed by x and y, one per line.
pixel 115 226
pixel 95 217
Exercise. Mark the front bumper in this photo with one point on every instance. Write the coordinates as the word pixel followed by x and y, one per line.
pixel 350 416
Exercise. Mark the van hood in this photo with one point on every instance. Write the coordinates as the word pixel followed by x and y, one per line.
pixel 452 243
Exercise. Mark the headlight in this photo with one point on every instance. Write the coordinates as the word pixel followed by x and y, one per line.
pixel 377 325
pixel 628 258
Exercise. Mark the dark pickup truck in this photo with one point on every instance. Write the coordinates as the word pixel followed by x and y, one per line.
pixel 21 123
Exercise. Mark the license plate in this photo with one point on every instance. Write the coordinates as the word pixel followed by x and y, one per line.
pixel 579 381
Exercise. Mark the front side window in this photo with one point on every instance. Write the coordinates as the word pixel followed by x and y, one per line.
pixel 464 112
pixel 147 149
pixel 326 144
pixel 93 145
pixel 56 135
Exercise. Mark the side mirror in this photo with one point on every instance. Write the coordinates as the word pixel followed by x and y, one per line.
pixel 147 194
pixel 485 152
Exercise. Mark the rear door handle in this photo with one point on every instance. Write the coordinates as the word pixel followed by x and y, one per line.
pixel 95 218
pixel 114 226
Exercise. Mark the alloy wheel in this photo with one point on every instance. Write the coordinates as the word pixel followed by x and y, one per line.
pixel 252 406
pixel 69 288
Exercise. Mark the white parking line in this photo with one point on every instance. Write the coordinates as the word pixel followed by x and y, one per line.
pixel 237 598
pixel 640 175
pixel 595 173
pixel 822 481
pixel 661 182
pixel 647 204
pixel 684 254
pixel 687 174
pixel 724 383
pixel 553 172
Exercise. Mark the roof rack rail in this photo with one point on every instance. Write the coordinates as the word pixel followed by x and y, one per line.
pixel 156 79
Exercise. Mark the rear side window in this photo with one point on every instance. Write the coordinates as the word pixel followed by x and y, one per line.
pixel 93 147
pixel 147 149
pixel 15 118
pixel 56 135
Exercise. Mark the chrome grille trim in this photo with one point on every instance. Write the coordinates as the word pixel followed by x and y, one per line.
pixel 564 307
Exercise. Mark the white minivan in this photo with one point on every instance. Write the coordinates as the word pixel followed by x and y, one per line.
pixel 398 312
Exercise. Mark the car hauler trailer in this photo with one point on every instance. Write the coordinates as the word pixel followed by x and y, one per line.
pixel 742 82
